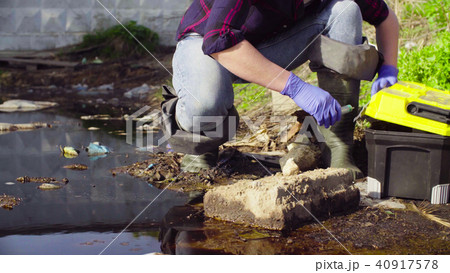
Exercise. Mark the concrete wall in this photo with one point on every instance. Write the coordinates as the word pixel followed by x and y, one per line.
pixel 47 24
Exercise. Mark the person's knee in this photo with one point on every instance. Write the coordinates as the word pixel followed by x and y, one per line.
pixel 346 24
pixel 348 10
pixel 202 114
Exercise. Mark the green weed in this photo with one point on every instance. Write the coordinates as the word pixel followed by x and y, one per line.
pixel 435 11
pixel 429 65
pixel 250 95
pixel 116 42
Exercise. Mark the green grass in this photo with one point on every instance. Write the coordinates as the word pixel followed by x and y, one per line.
pixel 429 65
pixel 250 96
pixel 116 42
pixel 427 60
pixel 436 12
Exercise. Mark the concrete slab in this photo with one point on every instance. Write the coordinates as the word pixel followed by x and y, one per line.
pixel 283 202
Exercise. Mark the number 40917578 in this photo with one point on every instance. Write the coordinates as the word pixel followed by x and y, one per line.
pixel 407 264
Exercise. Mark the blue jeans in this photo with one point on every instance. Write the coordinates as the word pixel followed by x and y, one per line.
pixel 204 87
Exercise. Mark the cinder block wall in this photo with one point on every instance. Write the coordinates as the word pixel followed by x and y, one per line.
pixel 47 24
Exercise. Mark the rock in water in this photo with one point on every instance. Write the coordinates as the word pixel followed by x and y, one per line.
pixel 283 202
pixel 306 157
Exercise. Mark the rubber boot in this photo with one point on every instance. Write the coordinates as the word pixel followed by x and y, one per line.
pixel 338 147
pixel 196 163
pixel 201 150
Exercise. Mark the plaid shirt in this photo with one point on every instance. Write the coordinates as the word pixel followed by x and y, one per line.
pixel 224 23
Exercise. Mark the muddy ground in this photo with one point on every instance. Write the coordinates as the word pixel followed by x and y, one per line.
pixel 56 84
pixel 363 231
pixel 367 230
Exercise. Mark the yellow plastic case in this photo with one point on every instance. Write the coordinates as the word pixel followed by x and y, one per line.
pixel 413 105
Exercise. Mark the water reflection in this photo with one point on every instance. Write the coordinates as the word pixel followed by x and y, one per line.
pixel 85 243
pixel 92 200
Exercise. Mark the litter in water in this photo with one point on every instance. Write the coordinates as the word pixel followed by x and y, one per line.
pixel 77 167
pixel 95 148
pixel 69 152
pixel 25 105
pixel 8 202
pixel 27 179
pixel 49 186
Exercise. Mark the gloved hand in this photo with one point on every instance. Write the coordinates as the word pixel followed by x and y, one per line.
pixel 317 102
pixel 387 76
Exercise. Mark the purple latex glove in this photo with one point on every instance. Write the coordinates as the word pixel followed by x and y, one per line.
pixel 387 76
pixel 317 102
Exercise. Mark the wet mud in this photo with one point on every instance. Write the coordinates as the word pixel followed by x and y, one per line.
pixel 163 170
pixel 185 230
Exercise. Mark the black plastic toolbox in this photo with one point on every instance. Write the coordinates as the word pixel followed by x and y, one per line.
pixel 408 164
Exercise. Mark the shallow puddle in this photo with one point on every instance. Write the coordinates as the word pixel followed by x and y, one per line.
pixel 92 200
pixel 83 243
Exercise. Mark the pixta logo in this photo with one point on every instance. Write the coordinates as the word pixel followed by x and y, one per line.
pixel 145 119
pixel 215 126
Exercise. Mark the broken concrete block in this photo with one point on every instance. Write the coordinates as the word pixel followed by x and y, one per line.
pixel 283 202
pixel 305 157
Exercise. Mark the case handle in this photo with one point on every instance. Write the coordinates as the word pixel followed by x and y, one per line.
pixel 429 112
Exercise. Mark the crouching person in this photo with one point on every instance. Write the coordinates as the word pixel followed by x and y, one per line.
pixel 220 42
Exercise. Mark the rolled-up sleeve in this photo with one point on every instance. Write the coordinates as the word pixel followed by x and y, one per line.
pixel 223 29
pixel 373 11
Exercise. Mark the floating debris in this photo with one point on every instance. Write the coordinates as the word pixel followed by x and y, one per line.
pixel 52 180
pixel 8 202
pixel 22 126
pixel 95 149
pixel 93 128
pixel 9 183
pixel 150 166
pixel 100 117
pixel 118 133
pixel 76 167
pixel 49 186
pixel 147 127
pixel 25 105
pixel 69 152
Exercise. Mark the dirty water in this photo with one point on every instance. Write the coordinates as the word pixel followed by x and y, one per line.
pixel 92 201
pixel 85 215
pixel 81 243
